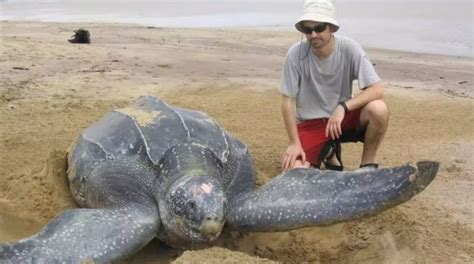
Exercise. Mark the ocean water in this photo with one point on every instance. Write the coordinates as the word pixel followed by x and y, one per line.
pixel 430 26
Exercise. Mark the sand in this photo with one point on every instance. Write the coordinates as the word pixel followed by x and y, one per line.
pixel 50 90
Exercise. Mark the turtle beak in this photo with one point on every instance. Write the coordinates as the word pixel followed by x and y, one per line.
pixel 211 227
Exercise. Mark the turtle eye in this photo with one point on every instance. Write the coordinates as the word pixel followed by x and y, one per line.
pixel 225 208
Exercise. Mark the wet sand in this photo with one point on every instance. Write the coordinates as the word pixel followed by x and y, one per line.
pixel 50 90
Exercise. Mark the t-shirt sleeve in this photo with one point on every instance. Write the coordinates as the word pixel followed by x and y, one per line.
pixel 364 71
pixel 290 78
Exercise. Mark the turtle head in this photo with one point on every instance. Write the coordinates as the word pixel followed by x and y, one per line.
pixel 197 206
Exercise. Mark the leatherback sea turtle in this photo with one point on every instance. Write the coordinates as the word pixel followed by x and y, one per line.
pixel 157 170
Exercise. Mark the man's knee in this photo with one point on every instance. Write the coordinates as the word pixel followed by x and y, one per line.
pixel 376 110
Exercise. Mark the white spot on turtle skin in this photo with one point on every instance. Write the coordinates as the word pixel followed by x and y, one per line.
pixel 207 188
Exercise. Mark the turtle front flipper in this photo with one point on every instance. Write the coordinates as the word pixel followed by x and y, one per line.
pixel 310 197
pixel 86 236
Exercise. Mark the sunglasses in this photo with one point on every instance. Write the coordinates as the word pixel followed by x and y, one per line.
pixel 318 29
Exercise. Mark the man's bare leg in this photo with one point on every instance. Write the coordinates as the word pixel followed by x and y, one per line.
pixel 375 115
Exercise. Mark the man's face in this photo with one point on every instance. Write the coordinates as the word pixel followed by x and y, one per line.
pixel 317 40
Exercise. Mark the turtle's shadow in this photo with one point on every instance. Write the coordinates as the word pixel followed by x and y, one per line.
pixel 155 252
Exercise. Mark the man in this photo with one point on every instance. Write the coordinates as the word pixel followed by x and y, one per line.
pixel 317 104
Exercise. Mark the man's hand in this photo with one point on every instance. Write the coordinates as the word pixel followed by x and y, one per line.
pixel 291 155
pixel 333 127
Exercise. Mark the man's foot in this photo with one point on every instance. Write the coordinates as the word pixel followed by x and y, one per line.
pixel 333 164
pixel 367 167
pixel 299 164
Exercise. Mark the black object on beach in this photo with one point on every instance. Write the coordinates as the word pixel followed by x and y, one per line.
pixel 80 36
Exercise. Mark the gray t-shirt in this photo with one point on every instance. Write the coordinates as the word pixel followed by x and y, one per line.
pixel 319 85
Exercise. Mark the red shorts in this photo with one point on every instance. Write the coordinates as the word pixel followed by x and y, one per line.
pixel 313 138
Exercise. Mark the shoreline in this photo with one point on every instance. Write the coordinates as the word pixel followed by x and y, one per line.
pixel 275 28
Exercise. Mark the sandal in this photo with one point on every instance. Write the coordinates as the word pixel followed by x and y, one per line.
pixel 367 167
pixel 333 167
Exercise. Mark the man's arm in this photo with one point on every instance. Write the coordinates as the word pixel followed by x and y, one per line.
pixel 294 149
pixel 371 93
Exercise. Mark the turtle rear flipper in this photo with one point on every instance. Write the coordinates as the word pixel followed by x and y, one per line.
pixel 310 197
pixel 86 235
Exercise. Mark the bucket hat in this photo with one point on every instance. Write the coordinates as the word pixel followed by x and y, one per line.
pixel 319 11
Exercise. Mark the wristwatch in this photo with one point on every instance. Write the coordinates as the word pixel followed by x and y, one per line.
pixel 343 104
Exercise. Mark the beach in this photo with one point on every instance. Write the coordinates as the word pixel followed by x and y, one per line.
pixel 434 26
pixel 51 90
